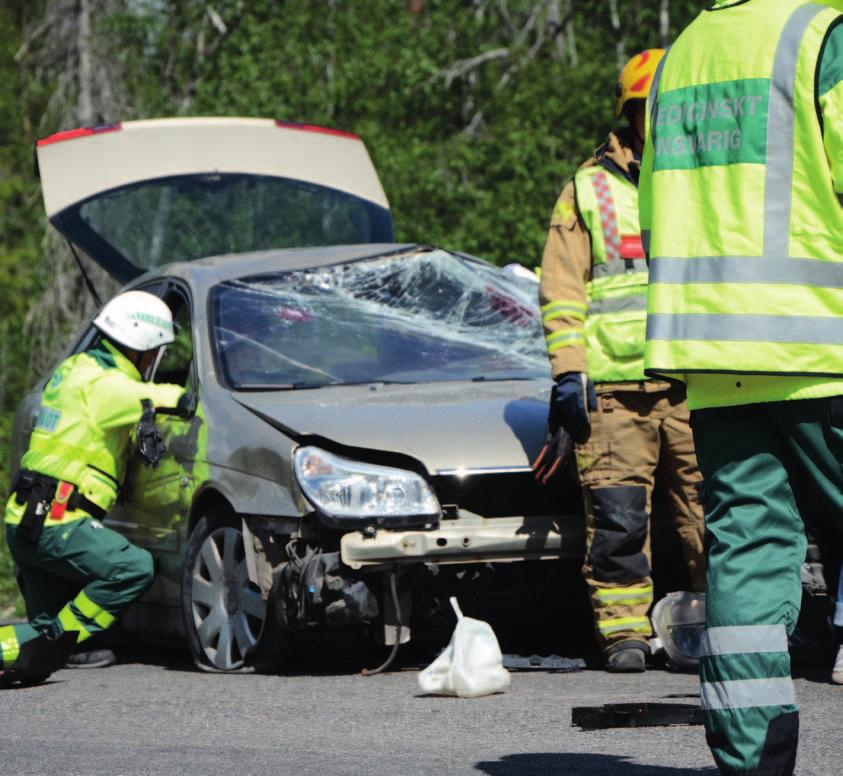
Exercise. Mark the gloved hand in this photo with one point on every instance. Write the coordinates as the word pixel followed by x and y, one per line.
pixel 185 408
pixel 151 447
pixel 567 423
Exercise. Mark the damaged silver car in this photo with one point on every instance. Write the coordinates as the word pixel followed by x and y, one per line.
pixel 367 412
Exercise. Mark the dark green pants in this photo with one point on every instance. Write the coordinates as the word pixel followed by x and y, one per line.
pixel 78 577
pixel 754 460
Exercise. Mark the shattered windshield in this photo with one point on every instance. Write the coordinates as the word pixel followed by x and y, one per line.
pixel 423 317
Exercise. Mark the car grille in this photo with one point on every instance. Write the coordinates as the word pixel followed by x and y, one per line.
pixel 506 494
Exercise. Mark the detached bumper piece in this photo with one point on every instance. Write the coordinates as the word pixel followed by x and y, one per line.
pixel 633 715
pixel 552 663
pixel 467 541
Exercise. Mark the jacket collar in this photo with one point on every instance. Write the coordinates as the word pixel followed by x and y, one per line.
pixel 120 361
pixel 617 156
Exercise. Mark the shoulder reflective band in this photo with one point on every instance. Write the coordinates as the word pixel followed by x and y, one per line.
pixel 780 131
pixel 608 215
pixel 747 269
pixel 653 98
pixel 747 693
pixel 743 640
pixel 803 329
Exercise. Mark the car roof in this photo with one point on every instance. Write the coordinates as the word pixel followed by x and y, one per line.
pixel 217 269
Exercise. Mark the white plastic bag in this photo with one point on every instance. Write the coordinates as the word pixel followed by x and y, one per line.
pixel 471 665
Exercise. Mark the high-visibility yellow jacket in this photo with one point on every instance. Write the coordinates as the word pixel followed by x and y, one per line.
pixel 593 279
pixel 740 201
pixel 88 411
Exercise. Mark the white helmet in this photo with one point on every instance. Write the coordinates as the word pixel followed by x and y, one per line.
pixel 679 623
pixel 136 319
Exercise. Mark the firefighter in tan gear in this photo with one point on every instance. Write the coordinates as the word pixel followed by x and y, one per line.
pixel 625 428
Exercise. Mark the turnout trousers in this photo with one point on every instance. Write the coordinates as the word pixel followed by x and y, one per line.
pixel 754 460
pixel 636 436
pixel 78 577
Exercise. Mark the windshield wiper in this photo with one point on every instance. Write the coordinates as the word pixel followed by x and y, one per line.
pixel 496 379
pixel 281 386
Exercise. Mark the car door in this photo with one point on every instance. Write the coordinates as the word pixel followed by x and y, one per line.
pixel 155 501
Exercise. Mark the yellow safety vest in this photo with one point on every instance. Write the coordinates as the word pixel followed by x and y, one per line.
pixel 617 292
pixel 746 240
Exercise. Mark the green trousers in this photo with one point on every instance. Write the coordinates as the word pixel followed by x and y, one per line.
pixel 78 577
pixel 755 461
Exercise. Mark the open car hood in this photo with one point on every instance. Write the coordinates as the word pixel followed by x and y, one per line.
pixel 140 194
pixel 448 427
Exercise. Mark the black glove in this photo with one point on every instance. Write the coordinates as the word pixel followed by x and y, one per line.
pixel 185 408
pixel 151 447
pixel 567 423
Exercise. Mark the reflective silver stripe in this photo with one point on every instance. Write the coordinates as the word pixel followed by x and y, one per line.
pixel 618 304
pixel 780 131
pixel 743 640
pixel 608 215
pixel 747 269
pixel 652 97
pixel 747 693
pixel 645 241
pixel 618 267
pixel 745 328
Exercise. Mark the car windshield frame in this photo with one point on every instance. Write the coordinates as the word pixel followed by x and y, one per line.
pixel 525 314
pixel 72 223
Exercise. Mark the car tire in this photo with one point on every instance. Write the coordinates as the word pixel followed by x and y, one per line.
pixel 225 617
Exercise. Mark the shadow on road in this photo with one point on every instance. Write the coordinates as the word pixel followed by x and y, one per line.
pixel 580 764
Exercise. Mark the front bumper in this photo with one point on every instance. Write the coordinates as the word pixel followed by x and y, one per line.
pixel 469 539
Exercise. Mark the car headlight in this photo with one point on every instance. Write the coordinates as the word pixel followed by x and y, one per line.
pixel 343 490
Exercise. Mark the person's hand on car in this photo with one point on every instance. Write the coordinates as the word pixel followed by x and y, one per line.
pixel 567 424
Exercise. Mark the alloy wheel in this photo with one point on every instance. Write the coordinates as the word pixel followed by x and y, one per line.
pixel 228 611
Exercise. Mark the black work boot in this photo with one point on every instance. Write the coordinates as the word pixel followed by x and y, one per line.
pixel 627 657
pixel 95 658
pixel 38 659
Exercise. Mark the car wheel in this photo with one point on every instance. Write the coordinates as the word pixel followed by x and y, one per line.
pixel 224 614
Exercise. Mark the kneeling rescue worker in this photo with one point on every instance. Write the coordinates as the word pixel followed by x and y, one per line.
pixel 594 295
pixel 741 188
pixel 76 575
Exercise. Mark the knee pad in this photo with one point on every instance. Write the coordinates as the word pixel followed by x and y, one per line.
pixel 620 529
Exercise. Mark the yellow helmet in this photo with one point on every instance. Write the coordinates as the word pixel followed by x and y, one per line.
pixel 636 77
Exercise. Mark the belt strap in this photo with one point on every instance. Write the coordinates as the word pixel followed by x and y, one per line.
pixel 63 495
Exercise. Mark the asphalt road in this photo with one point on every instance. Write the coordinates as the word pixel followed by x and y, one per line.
pixel 154 714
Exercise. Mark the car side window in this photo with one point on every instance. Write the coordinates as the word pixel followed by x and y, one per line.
pixel 175 365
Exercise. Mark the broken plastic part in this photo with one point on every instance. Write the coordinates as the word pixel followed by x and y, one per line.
pixel 613 715
pixel 424 316
pixel 553 663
